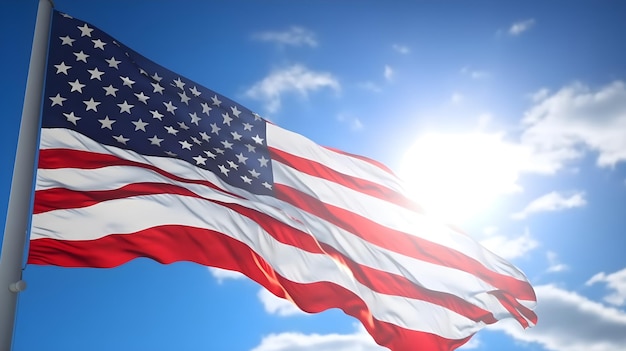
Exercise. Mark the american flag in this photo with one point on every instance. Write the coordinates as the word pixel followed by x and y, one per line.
pixel 138 161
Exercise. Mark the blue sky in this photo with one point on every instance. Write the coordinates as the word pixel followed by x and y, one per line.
pixel 507 119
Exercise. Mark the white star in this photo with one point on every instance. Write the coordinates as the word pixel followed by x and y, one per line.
pixel 67 40
pixel 246 180
pixel 194 118
pixel 227 118
pixel 258 139
pixel 210 154
pixel 171 130
pixel 196 140
pixel 263 161
pixel 233 165
pixel 125 107
pixel 254 173
pixel 169 153
pixel 184 98
pixel 85 30
pixel 218 150
pixel 195 91
pixel 170 107
pixel 216 101
pixel 76 86
pixel 110 90
pixel 179 83
pixel 247 126
pixel 256 117
pixel 241 158
pixel 267 185
pixel 215 129
pixel 113 62
pixel 127 81
pixel 142 97
pixel 236 112
pixel 224 170
pixel 57 100
pixel 62 67
pixel 157 88
pixel 95 73
pixel 236 136
pixel 81 56
pixel 140 125
pixel 185 145
pixel 227 145
pixel 251 148
pixel 200 160
pixel 182 125
pixel 205 108
pixel 98 44
pixel 106 123
pixel 66 15
pixel 71 117
pixel 205 136
pixel 120 138
pixel 155 140
pixel 157 115
pixel 91 105
pixel 156 77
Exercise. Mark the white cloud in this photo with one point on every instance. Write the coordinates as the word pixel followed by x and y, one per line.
pixel 276 305
pixel 295 341
pixel 570 322
pixel 554 264
pixel 614 281
pixel 294 36
pixel 490 230
pixel 402 49
pixel 296 78
pixel 518 28
pixel 371 86
pixel 456 98
pixel 510 248
pixel 354 123
pixel 553 201
pixel 561 126
pixel 388 73
pixel 222 274
pixel 474 74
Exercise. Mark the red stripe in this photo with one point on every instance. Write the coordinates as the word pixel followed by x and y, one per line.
pixel 68 158
pixel 364 186
pixel 169 244
pixel 402 243
pixel 377 280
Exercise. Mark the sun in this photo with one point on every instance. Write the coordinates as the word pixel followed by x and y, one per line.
pixel 457 176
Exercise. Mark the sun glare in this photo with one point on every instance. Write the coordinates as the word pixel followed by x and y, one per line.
pixel 457 176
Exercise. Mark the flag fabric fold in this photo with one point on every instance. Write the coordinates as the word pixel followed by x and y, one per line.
pixel 138 161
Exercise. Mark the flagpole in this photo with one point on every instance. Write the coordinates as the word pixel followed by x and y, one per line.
pixel 19 209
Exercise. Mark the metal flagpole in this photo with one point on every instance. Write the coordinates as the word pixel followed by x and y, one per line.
pixel 19 210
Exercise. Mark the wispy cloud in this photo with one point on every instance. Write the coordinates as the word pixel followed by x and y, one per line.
pixel 520 27
pixel 277 305
pixel 456 98
pixel 553 201
pixel 560 126
pixel 570 322
pixel 615 282
pixel 294 36
pixel 354 123
pixel 510 248
pixel 402 49
pixel 296 341
pixel 474 73
pixel 222 274
pixel 294 79
pixel 554 264
pixel 388 73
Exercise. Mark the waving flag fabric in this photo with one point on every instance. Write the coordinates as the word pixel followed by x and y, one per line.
pixel 138 161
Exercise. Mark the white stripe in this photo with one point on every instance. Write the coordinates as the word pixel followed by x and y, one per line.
pixel 300 146
pixel 138 213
